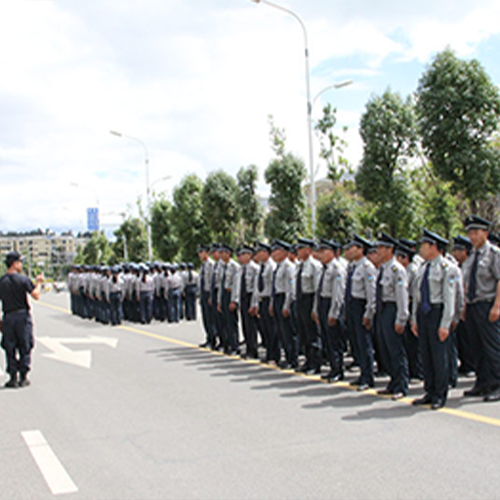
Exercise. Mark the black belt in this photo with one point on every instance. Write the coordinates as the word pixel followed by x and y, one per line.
pixel 16 311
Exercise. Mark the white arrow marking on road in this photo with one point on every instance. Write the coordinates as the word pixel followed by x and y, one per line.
pixel 66 355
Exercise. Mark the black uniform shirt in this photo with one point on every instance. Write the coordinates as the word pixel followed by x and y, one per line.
pixel 13 290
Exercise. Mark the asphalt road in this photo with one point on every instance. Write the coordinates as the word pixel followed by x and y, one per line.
pixel 155 417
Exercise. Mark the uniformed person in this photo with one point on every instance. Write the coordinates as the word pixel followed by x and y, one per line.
pixel 360 305
pixel 328 306
pixel 392 316
pixel 246 289
pixel 261 300
pixel 405 256
pixel 432 315
pixel 306 284
pixel 16 325
pixel 214 293
pixel 144 289
pixel 280 307
pixel 207 315
pixel 190 292
pixel 482 291
pixel 227 300
pixel 174 294
pixel 115 295
pixel 461 250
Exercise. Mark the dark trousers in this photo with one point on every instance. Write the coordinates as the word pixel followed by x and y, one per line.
pixel 230 322
pixel 392 348
pixel 174 302
pixel 434 353
pixel 308 331
pixel 207 317
pixel 331 337
pixel 464 345
pixel 157 306
pixel 146 307
pixel 116 311
pixel 413 354
pixel 190 302
pixel 287 337
pixel 485 338
pixel 17 342
pixel 363 339
pixel 453 357
pixel 218 320
pixel 267 325
pixel 249 326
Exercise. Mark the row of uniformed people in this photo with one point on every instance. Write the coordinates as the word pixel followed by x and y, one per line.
pixel 137 293
pixel 416 314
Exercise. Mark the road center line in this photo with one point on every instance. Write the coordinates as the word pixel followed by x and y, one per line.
pixel 449 411
pixel 56 477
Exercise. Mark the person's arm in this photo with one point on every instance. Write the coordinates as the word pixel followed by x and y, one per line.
pixel 35 293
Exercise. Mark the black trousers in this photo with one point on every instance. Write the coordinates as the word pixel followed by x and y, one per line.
pixel 287 337
pixel 308 331
pixel 190 302
pixel 392 348
pixel 485 338
pixel 332 337
pixel 249 326
pixel 464 344
pixel 363 339
pixel 207 317
pixel 230 322
pixel 267 326
pixel 434 353
pixel 17 342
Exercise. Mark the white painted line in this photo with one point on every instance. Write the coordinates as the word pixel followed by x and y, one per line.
pixel 53 472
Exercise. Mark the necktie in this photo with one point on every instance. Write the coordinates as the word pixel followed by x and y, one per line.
pixel 212 285
pixel 348 286
pixel 299 281
pixel 224 277
pixel 275 272
pixel 471 291
pixel 425 293
pixel 202 277
pixel 379 289
pixel 320 286
pixel 243 289
pixel 261 278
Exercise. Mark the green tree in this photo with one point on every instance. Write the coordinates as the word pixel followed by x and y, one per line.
pixel 337 214
pixel 220 205
pixel 131 242
pixel 97 250
pixel 388 130
pixel 332 145
pixel 190 224
pixel 250 208
pixel 458 109
pixel 164 238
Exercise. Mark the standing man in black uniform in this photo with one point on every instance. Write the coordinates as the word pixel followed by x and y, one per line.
pixel 17 325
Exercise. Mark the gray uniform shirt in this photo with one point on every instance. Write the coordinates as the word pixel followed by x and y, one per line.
pixel 363 285
pixel 309 273
pixel 441 288
pixel 332 286
pixel 283 278
pixel 250 270
pixel 487 275
pixel 229 280
pixel 394 285
pixel 266 271
pixel 206 270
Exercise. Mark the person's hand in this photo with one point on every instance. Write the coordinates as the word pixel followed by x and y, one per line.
pixel 271 311
pixel 232 306
pixel 367 322
pixel 494 314
pixel 40 278
pixel 443 334
pixel 219 308
pixel 315 317
pixel 414 329
pixel 286 313
pixel 400 329
pixel 332 321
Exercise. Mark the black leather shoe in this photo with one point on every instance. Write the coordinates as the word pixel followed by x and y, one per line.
pixel 398 395
pixel 355 382
pixel 12 383
pixel 302 369
pixel 439 403
pixel 205 344
pixel 384 392
pixel 337 377
pixel 363 387
pixel 24 382
pixel 313 371
pixel 476 391
pixel 426 400
pixel 492 396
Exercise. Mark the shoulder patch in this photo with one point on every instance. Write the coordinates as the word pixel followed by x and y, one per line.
pixel 495 249
pixel 394 268
pixel 444 264
pixel 367 263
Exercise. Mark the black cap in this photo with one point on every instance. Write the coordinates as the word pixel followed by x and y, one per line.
pixel 476 222
pixel 203 248
pixel 214 247
pixel 224 247
pixel 433 239
pixel 408 243
pixel 280 245
pixel 245 249
pixel 494 238
pixel 12 257
pixel 325 244
pixel 384 240
pixel 461 243
pixel 404 250
pixel 305 243
pixel 190 265
pixel 264 247
pixel 359 241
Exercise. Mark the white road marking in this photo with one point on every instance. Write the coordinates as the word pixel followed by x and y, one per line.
pixel 66 355
pixel 56 477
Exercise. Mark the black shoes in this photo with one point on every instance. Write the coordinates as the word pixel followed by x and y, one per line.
pixel 435 405
pixel 492 396
pixel 12 382
pixel 426 400
pixel 332 377
pixel 476 392
pixel 24 382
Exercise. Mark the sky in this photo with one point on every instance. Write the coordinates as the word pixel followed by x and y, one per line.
pixel 190 84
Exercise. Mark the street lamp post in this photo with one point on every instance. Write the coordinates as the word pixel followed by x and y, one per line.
pixel 309 107
pixel 148 190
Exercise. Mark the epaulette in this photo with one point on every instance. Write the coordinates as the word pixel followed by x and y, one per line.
pixel 444 264
pixel 367 263
pixel 495 249
pixel 394 268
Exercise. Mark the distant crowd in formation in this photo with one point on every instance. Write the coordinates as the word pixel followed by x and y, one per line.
pixel 400 308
